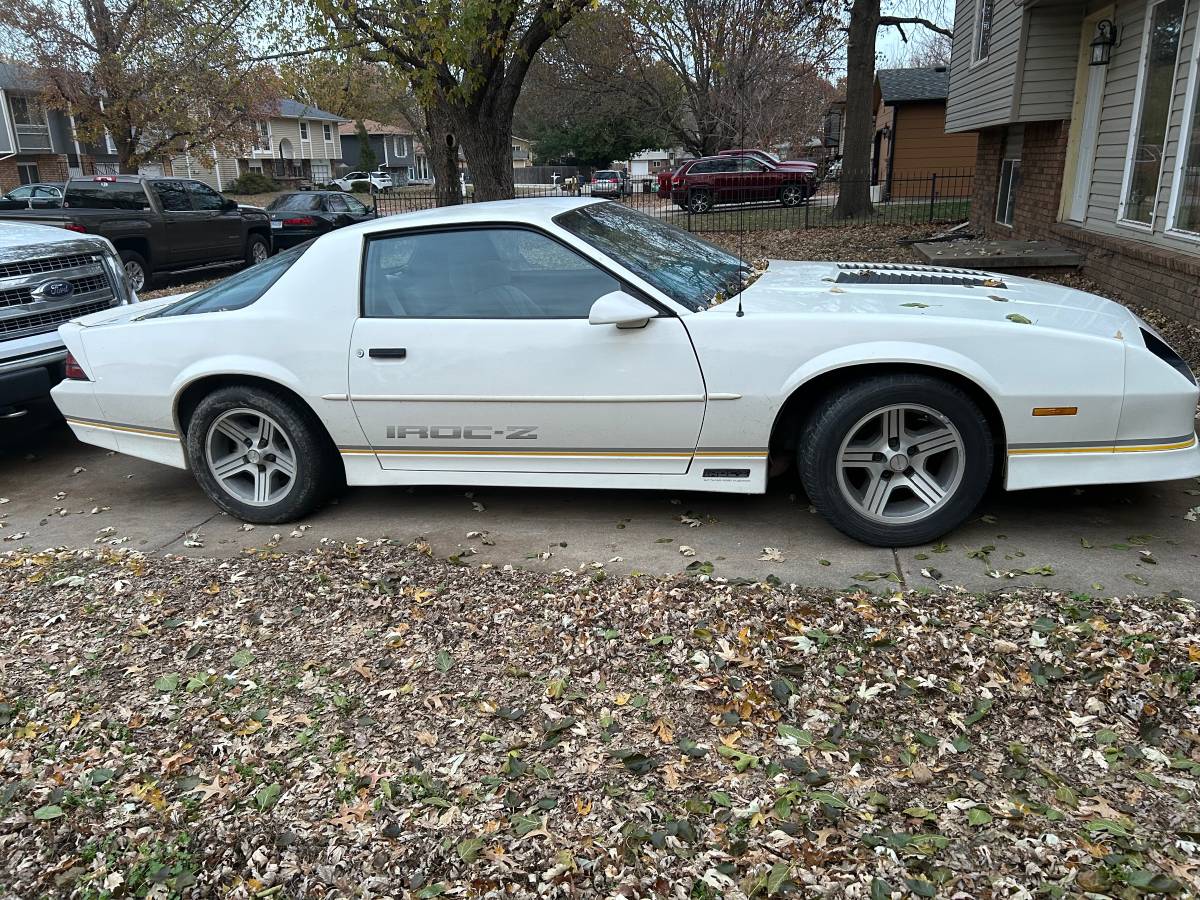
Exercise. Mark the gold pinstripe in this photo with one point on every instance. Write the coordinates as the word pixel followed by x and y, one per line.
pixel 565 453
pixel 126 429
pixel 1138 448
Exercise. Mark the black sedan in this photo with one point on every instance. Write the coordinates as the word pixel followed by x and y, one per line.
pixel 303 215
pixel 40 195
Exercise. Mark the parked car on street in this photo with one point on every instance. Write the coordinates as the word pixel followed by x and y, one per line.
pixel 158 225
pixel 609 183
pixel 47 276
pixel 304 215
pixel 379 180
pixel 699 185
pixel 561 342
pixel 798 165
pixel 40 195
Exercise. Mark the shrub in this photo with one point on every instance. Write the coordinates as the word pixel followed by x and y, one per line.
pixel 253 183
pixel 361 186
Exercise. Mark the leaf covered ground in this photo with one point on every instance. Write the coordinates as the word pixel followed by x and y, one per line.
pixel 369 721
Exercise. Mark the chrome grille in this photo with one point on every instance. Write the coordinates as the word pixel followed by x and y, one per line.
pixel 38 323
pixel 51 264
pixel 83 285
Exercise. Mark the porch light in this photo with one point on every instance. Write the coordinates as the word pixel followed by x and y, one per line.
pixel 1103 43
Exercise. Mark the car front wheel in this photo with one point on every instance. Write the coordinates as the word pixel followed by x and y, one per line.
pixel 257 250
pixel 896 460
pixel 791 195
pixel 258 456
pixel 699 202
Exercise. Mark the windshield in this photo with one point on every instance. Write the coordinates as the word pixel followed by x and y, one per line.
pixel 606 176
pixel 688 269
pixel 236 291
pixel 296 202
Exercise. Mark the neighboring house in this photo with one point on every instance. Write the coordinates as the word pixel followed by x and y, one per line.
pixel 833 128
pixel 911 143
pixel 299 144
pixel 651 162
pixel 522 149
pixel 1088 116
pixel 394 146
pixel 40 144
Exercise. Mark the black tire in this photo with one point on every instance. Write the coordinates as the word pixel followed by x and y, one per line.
pixel 253 245
pixel 317 474
pixel 133 262
pixel 792 194
pixel 699 202
pixel 833 420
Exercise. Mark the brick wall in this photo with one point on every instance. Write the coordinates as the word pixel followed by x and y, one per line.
pixel 51 167
pixel 1130 270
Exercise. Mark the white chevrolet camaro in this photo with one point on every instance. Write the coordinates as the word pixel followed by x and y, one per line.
pixel 577 343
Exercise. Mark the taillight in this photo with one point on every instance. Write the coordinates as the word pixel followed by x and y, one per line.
pixel 71 226
pixel 300 220
pixel 72 370
pixel 676 179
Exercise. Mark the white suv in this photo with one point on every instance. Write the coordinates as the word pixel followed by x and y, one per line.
pixel 380 181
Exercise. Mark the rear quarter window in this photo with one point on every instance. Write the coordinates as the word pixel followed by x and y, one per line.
pixel 237 291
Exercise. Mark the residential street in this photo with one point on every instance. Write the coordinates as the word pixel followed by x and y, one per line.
pixel 1111 540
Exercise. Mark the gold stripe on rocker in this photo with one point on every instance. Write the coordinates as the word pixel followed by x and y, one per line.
pixel 122 429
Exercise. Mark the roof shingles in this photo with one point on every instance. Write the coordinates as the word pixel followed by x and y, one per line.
pixel 914 85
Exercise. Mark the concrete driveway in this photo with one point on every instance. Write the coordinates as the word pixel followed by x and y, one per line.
pixel 1110 540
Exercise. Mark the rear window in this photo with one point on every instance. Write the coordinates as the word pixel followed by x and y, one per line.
pixel 106 195
pixel 237 291
pixel 607 176
pixel 301 202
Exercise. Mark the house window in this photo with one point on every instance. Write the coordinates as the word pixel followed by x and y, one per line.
pixel 984 15
pixel 398 146
pixel 27 173
pixel 27 111
pixel 304 131
pixel 1185 214
pixel 262 136
pixel 328 132
pixel 320 172
pixel 1006 196
pixel 1152 109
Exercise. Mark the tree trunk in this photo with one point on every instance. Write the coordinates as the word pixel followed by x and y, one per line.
pixel 487 142
pixel 854 189
pixel 442 151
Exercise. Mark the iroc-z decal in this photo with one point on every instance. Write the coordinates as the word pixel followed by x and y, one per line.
pixel 462 432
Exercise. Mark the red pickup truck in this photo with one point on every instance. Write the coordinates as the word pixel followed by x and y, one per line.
pixel 700 184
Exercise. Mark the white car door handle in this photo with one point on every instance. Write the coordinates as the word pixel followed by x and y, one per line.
pixel 387 353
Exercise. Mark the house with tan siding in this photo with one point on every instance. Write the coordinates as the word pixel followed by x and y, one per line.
pixel 299 145
pixel 1088 119
pixel 911 142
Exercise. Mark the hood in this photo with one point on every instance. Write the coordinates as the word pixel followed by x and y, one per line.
pixel 22 241
pixel 931 292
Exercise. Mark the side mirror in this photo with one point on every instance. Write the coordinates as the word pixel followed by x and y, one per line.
pixel 620 309
pixel 229 206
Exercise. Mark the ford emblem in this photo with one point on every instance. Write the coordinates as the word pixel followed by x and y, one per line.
pixel 56 290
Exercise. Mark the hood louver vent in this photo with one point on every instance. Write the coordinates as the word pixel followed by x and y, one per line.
pixel 902 274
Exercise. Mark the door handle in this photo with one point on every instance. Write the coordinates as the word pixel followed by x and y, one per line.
pixel 387 353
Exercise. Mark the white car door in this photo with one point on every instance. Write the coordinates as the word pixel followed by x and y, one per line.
pixel 474 352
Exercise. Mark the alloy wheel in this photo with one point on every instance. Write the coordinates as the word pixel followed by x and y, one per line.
pixel 258 252
pixel 700 203
pixel 135 274
pixel 251 457
pixel 791 196
pixel 901 463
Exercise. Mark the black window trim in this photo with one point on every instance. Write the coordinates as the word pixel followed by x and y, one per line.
pixel 629 288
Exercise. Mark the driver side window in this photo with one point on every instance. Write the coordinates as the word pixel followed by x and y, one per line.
pixel 481 273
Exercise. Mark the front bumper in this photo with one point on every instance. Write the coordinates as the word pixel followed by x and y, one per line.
pixel 1118 465
pixel 26 379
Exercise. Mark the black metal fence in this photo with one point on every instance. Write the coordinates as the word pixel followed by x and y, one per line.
pixel 756 203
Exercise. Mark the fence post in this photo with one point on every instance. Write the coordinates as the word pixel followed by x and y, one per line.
pixel 932 193
pixel 807 203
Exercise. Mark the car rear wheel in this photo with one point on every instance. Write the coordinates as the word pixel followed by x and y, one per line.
pixel 258 456
pixel 896 460
pixel 791 195
pixel 699 202
pixel 136 272
pixel 257 250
